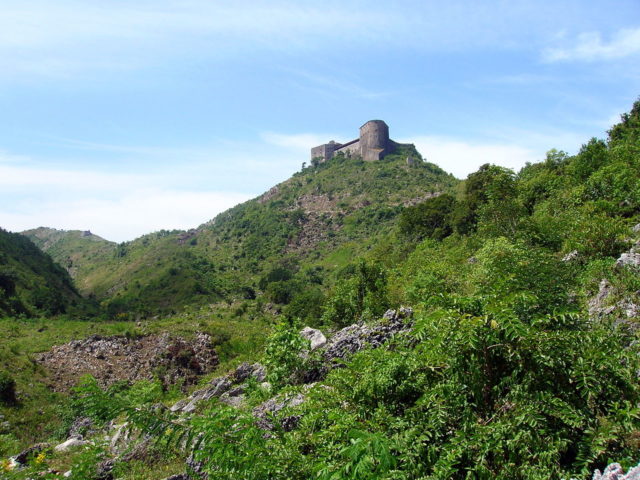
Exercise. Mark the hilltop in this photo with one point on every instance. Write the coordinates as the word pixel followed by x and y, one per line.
pixel 310 224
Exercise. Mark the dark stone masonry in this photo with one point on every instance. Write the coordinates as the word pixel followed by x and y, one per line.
pixel 373 144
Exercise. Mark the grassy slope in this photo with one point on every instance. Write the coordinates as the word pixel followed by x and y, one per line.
pixel 30 282
pixel 75 250
pixel 323 216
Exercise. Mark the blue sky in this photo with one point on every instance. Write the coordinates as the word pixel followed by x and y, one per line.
pixel 125 117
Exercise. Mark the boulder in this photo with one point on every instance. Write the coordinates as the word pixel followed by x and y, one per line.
pixel 629 259
pixel 69 444
pixel 572 255
pixel 315 337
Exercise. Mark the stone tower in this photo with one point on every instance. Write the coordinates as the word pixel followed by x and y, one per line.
pixel 374 140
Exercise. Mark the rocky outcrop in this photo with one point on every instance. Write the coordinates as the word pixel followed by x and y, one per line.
pixel 356 337
pixel 266 411
pixel 616 472
pixel 228 388
pixel 26 455
pixel 110 359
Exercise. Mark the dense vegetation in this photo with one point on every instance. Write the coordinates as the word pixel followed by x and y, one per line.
pixel 505 374
pixel 31 283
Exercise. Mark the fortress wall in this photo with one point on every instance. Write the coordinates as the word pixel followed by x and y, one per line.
pixel 352 147
pixel 325 151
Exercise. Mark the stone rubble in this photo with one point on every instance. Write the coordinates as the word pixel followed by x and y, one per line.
pixel 115 358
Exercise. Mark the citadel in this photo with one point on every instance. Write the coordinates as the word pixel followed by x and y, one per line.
pixel 373 144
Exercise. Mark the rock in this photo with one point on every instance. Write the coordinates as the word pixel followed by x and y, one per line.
pixel 67 474
pixel 195 469
pixel 69 444
pixel 636 228
pixel 218 387
pixel 104 470
pixel 179 405
pixel 629 259
pixel 572 255
pixel 234 397
pixel 23 457
pixel 120 436
pixel 81 427
pixel 614 471
pixel 597 304
pixel 356 337
pixel 246 370
pixel 110 359
pixel 315 337
pixel 265 411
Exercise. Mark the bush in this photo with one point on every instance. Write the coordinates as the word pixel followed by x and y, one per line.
pixel 428 219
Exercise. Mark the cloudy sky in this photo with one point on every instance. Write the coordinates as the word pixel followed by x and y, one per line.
pixel 126 117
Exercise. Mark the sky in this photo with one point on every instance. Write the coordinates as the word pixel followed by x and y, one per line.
pixel 127 117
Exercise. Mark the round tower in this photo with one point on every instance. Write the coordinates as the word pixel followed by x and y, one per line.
pixel 374 140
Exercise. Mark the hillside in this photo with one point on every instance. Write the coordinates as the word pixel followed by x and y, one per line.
pixel 77 251
pixel 31 283
pixel 520 360
pixel 490 331
pixel 309 225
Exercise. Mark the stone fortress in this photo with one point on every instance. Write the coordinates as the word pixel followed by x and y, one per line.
pixel 373 144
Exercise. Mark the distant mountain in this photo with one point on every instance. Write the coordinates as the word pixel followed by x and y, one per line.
pixel 312 224
pixel 31 283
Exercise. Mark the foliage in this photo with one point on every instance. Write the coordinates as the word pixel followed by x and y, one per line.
pixel 283 353
pixel 362 295
pixel 430 218
pixel 31 283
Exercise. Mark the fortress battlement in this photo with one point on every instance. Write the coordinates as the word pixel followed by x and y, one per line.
pixel 373 144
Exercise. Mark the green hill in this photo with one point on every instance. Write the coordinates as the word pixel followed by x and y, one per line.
pixel 31 283
pixel 308 226
pixel 77 251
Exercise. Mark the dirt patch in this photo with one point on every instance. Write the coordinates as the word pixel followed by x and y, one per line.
pixel 111 359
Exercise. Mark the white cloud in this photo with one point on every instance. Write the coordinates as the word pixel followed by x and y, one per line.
pixel 117 206
pixel 590 46
pixel 462 158
pixel 126 217
pixel 302 142
pixel 19 178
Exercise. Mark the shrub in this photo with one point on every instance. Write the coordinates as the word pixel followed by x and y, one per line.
pixel 428 219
